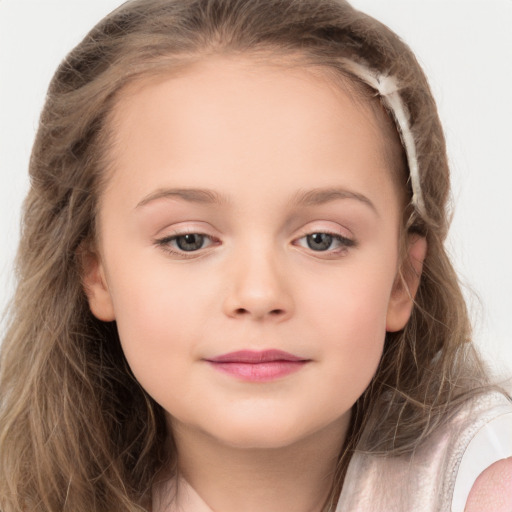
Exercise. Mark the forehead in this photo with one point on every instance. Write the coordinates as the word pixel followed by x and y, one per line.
pixel 246 114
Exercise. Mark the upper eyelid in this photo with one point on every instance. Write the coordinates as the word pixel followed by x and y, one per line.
pixel 173 236
pixel 300 234
pixel 345 239
pixel 342 232
pixel 327 231
pixel 174 231
pixel 177 231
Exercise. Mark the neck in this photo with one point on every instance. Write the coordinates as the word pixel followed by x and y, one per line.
pixel 296 477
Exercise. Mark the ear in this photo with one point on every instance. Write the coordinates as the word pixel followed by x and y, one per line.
pixel 406 284
pixel 95 285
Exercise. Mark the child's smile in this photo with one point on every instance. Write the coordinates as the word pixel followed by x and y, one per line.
pixel 251 209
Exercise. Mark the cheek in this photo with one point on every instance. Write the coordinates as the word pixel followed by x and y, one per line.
pixel 157 323
pixel 348 317
pixel 352 301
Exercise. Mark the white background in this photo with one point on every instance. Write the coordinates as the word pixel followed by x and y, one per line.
pixel 465 47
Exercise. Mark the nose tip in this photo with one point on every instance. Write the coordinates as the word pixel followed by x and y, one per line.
pixel 259 291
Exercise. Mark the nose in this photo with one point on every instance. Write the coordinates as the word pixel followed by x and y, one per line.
pixel 257 288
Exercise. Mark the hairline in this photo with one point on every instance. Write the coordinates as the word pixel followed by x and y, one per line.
pixel 175 65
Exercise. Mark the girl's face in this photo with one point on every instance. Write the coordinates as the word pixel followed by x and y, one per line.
pixel 248 249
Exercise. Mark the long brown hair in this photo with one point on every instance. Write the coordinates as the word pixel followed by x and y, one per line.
pixel 77 432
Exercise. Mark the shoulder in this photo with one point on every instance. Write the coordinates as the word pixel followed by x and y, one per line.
pixel 492 490
pixel 482 457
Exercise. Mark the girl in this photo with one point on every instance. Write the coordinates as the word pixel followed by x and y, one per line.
pixel 233 292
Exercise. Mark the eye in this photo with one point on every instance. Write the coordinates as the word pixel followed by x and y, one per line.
pixel 322 242
pixel 190 242
pixel 186 242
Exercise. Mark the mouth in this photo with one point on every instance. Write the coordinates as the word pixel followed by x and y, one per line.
pixel 258 366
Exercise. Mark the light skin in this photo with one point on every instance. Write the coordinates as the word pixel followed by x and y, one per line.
pixel 492 489
pixel 289 182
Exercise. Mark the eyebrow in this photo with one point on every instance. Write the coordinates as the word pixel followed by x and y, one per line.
pixel 193 195
pixel 314 197
pixel 319 196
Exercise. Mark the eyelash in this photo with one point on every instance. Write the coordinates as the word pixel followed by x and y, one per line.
pixel 165 243
pixel 345 243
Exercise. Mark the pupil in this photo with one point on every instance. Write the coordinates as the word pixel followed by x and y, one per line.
pixel 191 242
pixel 319 241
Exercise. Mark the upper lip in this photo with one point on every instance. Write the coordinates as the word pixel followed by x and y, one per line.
pixel 255 356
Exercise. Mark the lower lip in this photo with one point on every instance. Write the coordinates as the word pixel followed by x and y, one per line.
pixel 259 372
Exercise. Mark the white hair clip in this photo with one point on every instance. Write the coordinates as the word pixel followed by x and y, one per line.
pixel 388 89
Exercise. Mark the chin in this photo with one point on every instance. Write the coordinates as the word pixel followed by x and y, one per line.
pixel 270 440
pixel 261 434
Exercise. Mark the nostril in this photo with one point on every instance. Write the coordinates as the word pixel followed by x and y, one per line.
pixel 243 311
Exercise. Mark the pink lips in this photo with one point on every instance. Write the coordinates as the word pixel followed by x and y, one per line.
pixel 257 366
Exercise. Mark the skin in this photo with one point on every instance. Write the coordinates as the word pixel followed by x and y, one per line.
pixel 492 489
pixel 266 142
